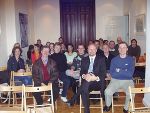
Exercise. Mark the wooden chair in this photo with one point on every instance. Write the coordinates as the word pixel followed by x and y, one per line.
pixel 99 106
pixel 13 112
pixel 19 74
pixel 133 92
pixel 34 107
pixel 3 68
pixel 117 97
pixel 12 90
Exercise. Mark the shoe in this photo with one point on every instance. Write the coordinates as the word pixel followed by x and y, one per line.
pixel 106 108
pixel 125 111
pixel 70 103
pixel 64 99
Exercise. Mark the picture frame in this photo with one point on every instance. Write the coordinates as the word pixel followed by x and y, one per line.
pixel 23 19
pixel 140 24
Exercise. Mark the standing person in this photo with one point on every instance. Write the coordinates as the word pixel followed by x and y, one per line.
pixel 93 72
pixel 44 71
pixel 134 50
pixel 121 71
pixel 61 62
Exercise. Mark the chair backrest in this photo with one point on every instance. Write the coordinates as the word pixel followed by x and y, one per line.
pixel 38 89
pixel 134 91
pixel 13 112
pixel 3 68
pixel 13 90
pixel 18 74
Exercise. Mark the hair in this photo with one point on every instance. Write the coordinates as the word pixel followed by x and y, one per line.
pixel 81 45
pixel 112 41
pixel 43 47
pixel 30 47
pixel 14 49
pixel 57 44
pixel 37 45
pixel 134 40
pixel 124 43
pixel 97 41
pixel 70 44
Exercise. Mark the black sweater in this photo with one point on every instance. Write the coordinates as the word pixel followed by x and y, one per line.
pixel 60 60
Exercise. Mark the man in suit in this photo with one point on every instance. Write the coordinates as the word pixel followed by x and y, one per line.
pixel 93 72
pixel 44 71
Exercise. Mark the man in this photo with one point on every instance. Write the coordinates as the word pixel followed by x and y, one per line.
pixel 112 48
pixel 119 40
pixel 97 44
pixel 74 72
pixel 93 71
pixel 61 62
pixel 121 71
pixel 39 43
pixel 44 71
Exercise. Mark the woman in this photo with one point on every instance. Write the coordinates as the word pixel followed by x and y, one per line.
pixel 36 53
pixel 16 63
pixel 70 54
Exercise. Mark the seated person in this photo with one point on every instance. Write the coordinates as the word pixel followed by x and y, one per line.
pixel 121 71
pixel 70 54
pixel 134 50
pixel 61 62
pixel 74 71
pixel 16 63
pixel 93 71
pixel 44 71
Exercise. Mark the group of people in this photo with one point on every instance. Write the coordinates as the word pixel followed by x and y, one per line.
pixel 101 60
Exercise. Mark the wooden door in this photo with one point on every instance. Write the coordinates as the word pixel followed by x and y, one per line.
pixel 77 19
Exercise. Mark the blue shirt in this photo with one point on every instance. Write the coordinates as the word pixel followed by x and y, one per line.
pixel 122 68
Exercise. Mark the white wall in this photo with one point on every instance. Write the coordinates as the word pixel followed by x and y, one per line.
pixel 137 7
pixel 105 8
pixel 8 30
pixel 146 99
pixel 3 40
pixel 46 20
pixel 25 7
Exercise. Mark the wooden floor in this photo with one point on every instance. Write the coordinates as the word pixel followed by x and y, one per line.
pixel 63 108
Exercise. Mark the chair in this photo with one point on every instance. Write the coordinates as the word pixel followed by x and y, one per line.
pixel 34 107
pixel 94 106
pixel 12 90
pixel 13 112
pixel 118 96
pixel 133 92
pixel 19 74
pixel 3 68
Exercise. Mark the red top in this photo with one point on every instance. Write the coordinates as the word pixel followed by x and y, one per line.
pixel 46 76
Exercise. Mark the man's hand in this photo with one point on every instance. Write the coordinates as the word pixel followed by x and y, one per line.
pixel 89 77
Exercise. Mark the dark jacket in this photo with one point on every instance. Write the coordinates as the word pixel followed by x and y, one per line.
pixel 37 71
pixel 13 65
pixel 99 69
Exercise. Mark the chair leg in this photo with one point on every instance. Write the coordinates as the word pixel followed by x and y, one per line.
pixel 101 104
pixel 112 105
pixel 80 104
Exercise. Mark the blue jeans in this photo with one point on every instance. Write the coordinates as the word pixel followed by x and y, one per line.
pixel 66 83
